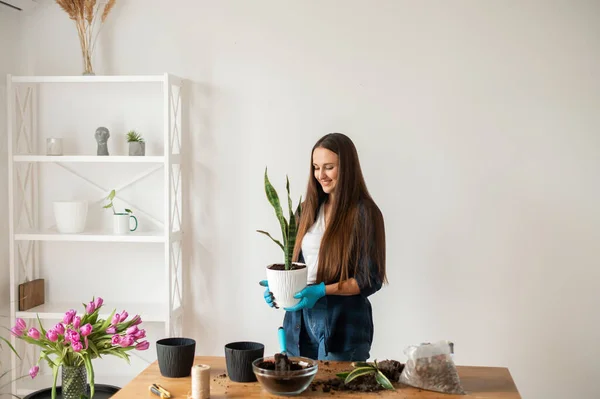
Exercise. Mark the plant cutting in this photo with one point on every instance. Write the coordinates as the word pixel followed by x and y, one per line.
pixel 121 220
pixel 287 278
pixel 137 146
pixel 367 369
pixel 72 344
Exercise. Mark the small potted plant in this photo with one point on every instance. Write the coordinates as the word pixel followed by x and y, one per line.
pixel 121 220
pixel 288 278
pixel 137 146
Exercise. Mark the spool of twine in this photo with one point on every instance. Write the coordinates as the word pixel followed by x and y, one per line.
pixel 200 382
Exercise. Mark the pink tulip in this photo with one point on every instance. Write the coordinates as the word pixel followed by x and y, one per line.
pixel 52 335
pixel 111 330
pixel 86 329
pixel 89 309
pixel 123 316
pixel 76 322
pixel 68 319
pixel 126 341
pixel 16 332
pixel 77 346
pixel 142 346
pixel 115 339
pixel 132 330
pixel 98 302
pixel 20 324
pixel 137 320
pixel 140 334
pixel 34 333
pixel 33 372
pixel 72 336
pixel 60 329
pixel 115 320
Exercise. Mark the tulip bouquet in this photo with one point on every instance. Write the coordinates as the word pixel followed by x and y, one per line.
pixel 75 341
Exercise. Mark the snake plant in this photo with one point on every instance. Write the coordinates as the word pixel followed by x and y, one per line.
pixel 289 227
pixel 363 368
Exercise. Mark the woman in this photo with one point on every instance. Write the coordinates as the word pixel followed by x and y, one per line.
pixel 341 238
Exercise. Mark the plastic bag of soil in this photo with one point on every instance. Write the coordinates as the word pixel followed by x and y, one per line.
pixel 431 367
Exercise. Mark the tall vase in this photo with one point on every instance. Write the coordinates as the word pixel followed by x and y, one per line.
pixel 74 382
pixel 88 69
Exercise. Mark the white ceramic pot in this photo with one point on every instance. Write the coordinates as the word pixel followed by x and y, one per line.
pixel 285 283
pixel 70 216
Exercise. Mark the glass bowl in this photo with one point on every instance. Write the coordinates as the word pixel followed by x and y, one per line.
pixel 286 383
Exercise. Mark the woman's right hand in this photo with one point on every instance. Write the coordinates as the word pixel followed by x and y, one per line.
pixel 269 298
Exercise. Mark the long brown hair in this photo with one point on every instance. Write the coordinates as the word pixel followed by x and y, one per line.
pixel 356 225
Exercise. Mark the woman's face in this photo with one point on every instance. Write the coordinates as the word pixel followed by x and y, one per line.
pixel 325 164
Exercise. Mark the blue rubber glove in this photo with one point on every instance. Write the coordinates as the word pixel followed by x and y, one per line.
pixel 308 297
pixel 269 299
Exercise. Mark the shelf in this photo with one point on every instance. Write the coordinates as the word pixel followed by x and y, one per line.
pixel 94 79
pixel 53 235
pixel 27 385
pixel 149 312
pixel 90 158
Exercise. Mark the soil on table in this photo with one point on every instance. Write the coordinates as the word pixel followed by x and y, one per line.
pixel 366 383
pixel 281 266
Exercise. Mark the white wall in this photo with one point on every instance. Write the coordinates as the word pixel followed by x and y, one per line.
pixel 9 37
pixel 477 128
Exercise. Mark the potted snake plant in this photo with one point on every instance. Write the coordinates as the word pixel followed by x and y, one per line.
pixel 287 278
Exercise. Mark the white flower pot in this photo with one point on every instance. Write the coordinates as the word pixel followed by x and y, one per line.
pixel 70 216
pixel 285 283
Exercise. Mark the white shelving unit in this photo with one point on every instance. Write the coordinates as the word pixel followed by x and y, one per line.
pixel 25 156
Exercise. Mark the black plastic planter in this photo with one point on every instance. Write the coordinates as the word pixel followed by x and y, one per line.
pixel 239 357
pixel 175 356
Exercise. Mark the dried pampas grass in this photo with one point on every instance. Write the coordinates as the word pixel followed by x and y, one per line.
pixel 86 13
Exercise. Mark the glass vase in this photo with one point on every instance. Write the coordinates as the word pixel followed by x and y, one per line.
pixel 74 382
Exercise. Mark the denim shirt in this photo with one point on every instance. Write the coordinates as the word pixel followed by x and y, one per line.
pixel 349 319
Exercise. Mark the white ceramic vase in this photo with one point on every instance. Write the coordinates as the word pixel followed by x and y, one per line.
pixel 285 283
pixel 70 216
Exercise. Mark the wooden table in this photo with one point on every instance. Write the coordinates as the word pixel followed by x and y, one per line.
pixel 479 382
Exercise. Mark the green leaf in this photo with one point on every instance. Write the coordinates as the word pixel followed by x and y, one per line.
pixel 357 372
pixel 343 375
pixel 90 371
pixel 383 381
pixel 11 347
pixel 292 230
pixel 54 376
pixel 42 330
pixel 273 198
pixel 128 210
pixel 111 196
pixel 276 241
pixel 108 206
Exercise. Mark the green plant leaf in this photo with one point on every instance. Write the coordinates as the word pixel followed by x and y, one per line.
pixel 111 196
pixel 273 198
pixel 128 210
pixel 292 230
pixel 274 240
pixel 357 372
pixel 90 371
pixel 343 375
pixel 11 347
pixel 108 206
pixel 383 381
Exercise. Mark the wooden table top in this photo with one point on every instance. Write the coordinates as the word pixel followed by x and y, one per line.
pixel 479 382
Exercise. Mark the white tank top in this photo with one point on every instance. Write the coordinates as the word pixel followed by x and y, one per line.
pixel 311 242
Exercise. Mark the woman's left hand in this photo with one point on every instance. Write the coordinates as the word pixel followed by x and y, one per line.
pixel 308 297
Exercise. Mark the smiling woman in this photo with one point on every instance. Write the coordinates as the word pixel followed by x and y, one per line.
pixel 341 239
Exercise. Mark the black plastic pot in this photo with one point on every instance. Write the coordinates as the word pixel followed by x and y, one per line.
pixel 239 357
pixel 175 356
